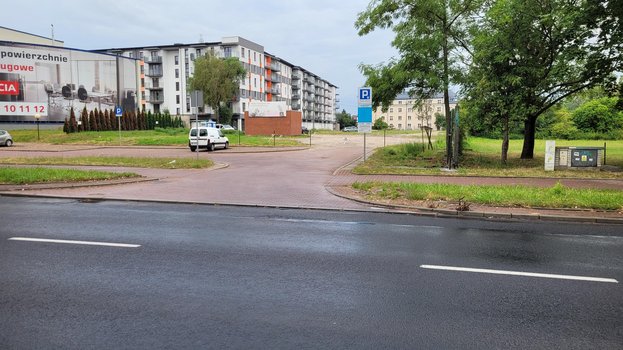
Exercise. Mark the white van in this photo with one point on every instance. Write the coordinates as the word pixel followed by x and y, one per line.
pixel 209 138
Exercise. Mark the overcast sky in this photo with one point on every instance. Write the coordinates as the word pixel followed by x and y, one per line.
pixel 318 35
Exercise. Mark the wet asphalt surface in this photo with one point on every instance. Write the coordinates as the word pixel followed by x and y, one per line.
pixel 232 277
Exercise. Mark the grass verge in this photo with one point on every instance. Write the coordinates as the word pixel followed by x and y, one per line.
pixel 482 158
pixel 162 163
pixel 156 137
pixel 557 196
pixel 21 176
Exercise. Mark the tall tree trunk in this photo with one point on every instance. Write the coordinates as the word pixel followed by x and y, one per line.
pixel 505 141
pixel 528 138
pixel 446 97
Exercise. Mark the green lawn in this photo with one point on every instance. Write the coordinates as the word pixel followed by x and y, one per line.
pixel 164 163
pixel 20 176
pixel 557 196
pixel 157 137
pixel 482 158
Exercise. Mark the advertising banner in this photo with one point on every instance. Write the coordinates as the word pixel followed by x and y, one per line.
pixel 268 109
pixel 49 81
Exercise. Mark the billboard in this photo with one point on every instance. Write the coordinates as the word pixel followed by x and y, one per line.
pixel 49 81
pixel 268 109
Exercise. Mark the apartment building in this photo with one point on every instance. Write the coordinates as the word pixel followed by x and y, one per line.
pixel 165 70
pixel 405 113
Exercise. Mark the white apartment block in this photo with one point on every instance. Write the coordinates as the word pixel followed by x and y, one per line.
pixel 166 69
pixel 405 114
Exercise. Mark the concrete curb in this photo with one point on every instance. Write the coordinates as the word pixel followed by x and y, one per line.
pixel 448 213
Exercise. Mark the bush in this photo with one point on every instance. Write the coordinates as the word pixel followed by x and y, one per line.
pixel 598 115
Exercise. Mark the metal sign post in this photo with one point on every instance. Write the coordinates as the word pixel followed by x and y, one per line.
pixel 118 114
pixel 364 114
pixel 196 100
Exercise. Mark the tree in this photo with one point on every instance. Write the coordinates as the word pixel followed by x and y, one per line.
pixel 546 50
pixel 345 119
pixel 440 121
pixel 219 79
pixel 226 114
pixel 432 38
pixel 380 124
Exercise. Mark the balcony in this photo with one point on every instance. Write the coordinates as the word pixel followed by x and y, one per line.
pixel 275 67
pixel 153 59
pixel 295 77
pixel 156 99
pixel 275 78
pixel 154 87
pixel 154 73
pixel 296 106
pixel 296 97
pixel 296 87
pixel 275 91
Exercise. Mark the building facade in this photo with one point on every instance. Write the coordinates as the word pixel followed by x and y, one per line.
pixel 405 113
pixel 165 71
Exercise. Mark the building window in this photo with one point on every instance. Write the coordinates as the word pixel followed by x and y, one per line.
pixel 438 109
pixel 254 82
pixel 242 51
pixel 409 126
pixel 391 117
pixel 399 126
pixel 399 117
pixel 399 102
pixel 244 107
pixel 177 72
pixel 192 56
pixel 254 56
pixel 177 86
pixel 391 109
pixel 177 100
pixel 409 118
pixel 178 111
pixel 409 110
pixel 177 59
pixel 399 110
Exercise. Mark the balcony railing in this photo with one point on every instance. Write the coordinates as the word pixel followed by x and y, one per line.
pixel 275 67
pixel 153 59
pixel 295 77
pixel 157 99
pixel 296 106
pixel 296 97
pixel 154 87
pixel 154 73
pixel 275 91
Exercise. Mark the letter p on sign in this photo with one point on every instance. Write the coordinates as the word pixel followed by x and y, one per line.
pixel 365 97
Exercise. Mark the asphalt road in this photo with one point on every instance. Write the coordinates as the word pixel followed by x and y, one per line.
pixel 199 277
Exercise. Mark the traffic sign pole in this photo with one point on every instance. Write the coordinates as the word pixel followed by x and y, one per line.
pixel 118 114
pixel 364 114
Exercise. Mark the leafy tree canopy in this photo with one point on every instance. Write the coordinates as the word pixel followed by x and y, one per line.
pixel 218 78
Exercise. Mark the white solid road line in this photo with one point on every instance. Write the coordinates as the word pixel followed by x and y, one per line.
pixel 119 245
pixel 518 273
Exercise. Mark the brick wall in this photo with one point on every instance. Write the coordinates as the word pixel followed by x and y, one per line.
pixel 288 125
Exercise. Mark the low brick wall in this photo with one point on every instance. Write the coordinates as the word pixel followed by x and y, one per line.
pixel 288 125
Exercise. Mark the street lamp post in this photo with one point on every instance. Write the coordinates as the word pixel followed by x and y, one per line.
pixel 37 117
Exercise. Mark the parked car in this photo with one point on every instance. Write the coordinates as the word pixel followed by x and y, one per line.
pixel 209 138
pixel 227 127
pixel 5 138
pixel 350 129
pixel 304 130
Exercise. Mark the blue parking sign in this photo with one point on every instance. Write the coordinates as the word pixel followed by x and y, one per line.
pixel 365 97
pixel 118 111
